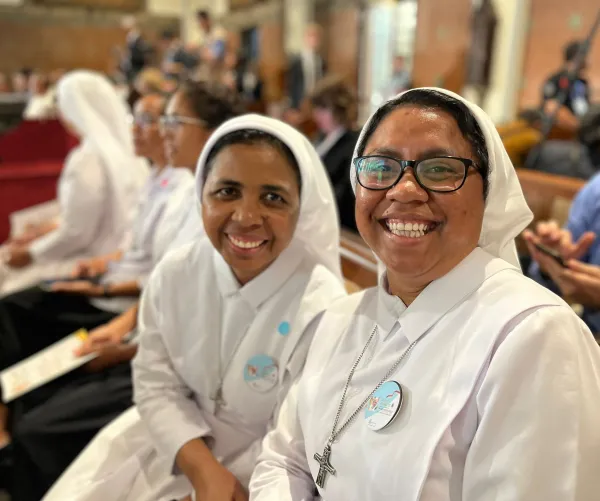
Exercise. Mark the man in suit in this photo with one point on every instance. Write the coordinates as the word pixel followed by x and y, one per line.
pixel 306 68
pixel 137 50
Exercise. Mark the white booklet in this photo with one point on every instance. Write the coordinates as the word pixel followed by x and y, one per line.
pixel 43 367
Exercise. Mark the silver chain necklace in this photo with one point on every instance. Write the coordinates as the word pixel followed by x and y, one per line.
pixel 325 466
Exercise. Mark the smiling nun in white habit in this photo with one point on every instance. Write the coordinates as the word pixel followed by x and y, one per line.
pixel 457 378
pixel 225 323
pixel 98 190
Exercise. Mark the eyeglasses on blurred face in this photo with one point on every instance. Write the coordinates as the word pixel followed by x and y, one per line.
pixel 169 123
pixel 143 120
pixel 439 174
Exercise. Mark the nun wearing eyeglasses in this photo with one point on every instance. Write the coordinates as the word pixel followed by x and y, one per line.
pixel 457 378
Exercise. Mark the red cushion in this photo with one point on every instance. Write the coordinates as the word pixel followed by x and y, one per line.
pixel 34 141
pixel 23 185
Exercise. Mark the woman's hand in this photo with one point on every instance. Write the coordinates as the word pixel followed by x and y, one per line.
pixel 210 479
pixel 90 268
pixel 17 256
pixel 549 234
pixel 217 483
pixel 81 287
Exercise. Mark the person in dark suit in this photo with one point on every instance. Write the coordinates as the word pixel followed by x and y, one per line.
pixel 334 112
pixel 305 69
pixel 137 50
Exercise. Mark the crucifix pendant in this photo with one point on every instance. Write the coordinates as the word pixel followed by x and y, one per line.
pixel 218 397
pixel 324 465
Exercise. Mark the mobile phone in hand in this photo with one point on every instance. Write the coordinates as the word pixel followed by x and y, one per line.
pixel 552 253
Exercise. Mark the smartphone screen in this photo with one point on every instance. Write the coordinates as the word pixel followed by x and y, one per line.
pixel 552 253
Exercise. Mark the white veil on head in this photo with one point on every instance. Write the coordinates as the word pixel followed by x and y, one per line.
pixel 90 102
pixel 506 212
pixel 318 229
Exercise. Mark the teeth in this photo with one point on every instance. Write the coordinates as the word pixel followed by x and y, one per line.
pixel 410 230
pixel 244 245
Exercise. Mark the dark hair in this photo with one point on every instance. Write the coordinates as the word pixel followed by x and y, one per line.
pixel 334 95
pixel 203 14
pixel 252 137
pixel 432 99
pixel 571 50
pixel 212 102
pixel 168 34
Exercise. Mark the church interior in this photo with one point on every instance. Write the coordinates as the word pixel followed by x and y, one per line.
pixel 133 77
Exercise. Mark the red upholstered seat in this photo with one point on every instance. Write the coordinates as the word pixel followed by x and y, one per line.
pixel 31 159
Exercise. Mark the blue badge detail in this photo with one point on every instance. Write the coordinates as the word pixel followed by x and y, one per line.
pixel 260 372
pixel 383 407
pixel 284 328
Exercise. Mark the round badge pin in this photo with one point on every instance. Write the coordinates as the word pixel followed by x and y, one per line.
pixel 260 373
pixel 383 406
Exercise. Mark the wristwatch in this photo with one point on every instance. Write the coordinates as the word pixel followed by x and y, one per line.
pixel 105 290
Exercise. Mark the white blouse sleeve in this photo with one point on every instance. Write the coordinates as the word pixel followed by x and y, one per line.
pixel 81 197
pixel 162 397
pixel 282 472
pixel 539 415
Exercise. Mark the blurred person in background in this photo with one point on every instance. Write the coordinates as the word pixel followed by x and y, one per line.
pixel 334 111
pixel 175 53
pixel 149 81
pixel 577 101
pixel 20 81
pixel 98 188
pixel 306 68
pixel 137 50
pixel 578 158
pixel 401 79
pixel 212 43
pixel 41 104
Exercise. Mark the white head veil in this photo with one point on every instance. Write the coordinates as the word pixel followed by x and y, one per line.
pixel 90 102
pixel 506 212
pixel 318 230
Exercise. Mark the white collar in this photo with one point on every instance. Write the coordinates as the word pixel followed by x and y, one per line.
pixel 437 300
pixel 265 285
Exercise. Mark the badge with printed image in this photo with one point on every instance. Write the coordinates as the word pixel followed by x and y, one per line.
pixel 260 373
pixel 383 406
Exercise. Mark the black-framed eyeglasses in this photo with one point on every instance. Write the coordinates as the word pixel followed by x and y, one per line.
pixel 439 174
pixel 172 122
pixel 143 120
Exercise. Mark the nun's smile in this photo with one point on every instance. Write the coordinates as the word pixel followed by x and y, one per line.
pixel 250 206
pixel 419 234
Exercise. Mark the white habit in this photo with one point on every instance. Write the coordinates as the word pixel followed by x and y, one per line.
pixel 198 325
pixel 99 186
pixel 501 390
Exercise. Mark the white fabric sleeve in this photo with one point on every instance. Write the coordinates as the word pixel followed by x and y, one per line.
pixel 293 371
pixel 81 199
pixel 539 402
pixel 163 399
pixel 282 472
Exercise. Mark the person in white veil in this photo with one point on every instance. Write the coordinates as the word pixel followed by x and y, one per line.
pixel 225 324
pixel 98 189
pixel 457 378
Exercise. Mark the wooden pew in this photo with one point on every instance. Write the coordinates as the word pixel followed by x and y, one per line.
pixel 359 266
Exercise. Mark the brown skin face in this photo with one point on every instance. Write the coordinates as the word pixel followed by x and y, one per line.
pixel 250 207
pixel 454 219
pixel 146 135
pixel 184 143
